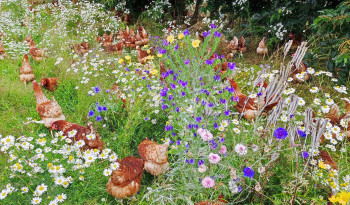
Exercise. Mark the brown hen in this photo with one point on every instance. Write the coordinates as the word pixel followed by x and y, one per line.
pixel 262 48
pixel 301 70
pixel 126 180
pixel 49 111
pixel 141 55
pixel 49 83
pixel 155 156
pixel 247 106
pixel 26 71
pixel 3 54
pixel 37 54
pixel 82 132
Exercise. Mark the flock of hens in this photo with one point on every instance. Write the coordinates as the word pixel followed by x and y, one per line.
pixel 126 180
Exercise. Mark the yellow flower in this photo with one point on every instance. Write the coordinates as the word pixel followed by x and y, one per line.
pixel 154 71
pixel 333 199
pixel 322 165
pixel 181 44
pixel 181 36
pixel 127 57
pixel 120 60
pixel 195 43
pixel 170 39
pixel 344 197
pixel 159 55
pixel 148 51
pixel 150 57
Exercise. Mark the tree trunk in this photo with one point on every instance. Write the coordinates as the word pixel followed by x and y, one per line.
pixel 196 11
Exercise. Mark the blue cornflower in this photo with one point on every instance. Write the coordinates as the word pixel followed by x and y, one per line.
pixel 183 94
pixel 91 113
pixel 248 172
pixel 99 109
pixel 96 89
pixel 280 133
pixel 98 118
pixel 305 154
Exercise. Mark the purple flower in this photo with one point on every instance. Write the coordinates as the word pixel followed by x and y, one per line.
pixel 212 26
pixel 280 133
pixel 232 66
pixel 178 142
pixel 209 61
pixel 146 118
pixel 104 108
pixel 259 93
pixel 98 118
pixel 96 89
pixel 173 86
pixel 191 161
pixel 187 61
pixel 206 34
pixel 305 154
pixel 248 172
pixel 162 51
pixel 227 112
pixel 99 109
pixel 211 104
pixel 200 162
pixel 217 34
pixel 91 113
pixel 217 78
pixel 301 133
pixel 186 32
pixel 198 119
pixel 216 125
pixel 176 47
pixel 171 97
pixel 164 106
pixel 177 109
pixel 183 94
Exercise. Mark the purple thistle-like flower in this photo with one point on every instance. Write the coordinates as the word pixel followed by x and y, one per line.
pixel 227 112
pixel 217 34
pixel 301 133
pixel 217 78
pixel 232 66
pixel 248 172
pixel 186 32
pixel 280 133
pixel 91 113
pixel 209 61
pixel 187 61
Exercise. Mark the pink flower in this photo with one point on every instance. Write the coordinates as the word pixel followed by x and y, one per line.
pixel 208 182
pixel 205 134
pixel 223 149
pixel 214 158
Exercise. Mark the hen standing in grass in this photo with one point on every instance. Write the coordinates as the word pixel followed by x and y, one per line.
pixel 141 55
pixel 126 180
pixel 262 49
pixel 91 138
pixel 2 52
pixel 49 83
pixel 36 53
pixel 26 71
pixel 155 156
pixel 48 110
